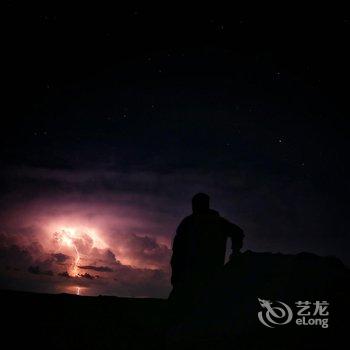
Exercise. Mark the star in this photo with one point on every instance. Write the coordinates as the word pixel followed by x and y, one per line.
pixel 277 76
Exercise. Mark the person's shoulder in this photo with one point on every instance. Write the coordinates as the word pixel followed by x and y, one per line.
pixel 186 220
pixel 183 226
pixel 230 225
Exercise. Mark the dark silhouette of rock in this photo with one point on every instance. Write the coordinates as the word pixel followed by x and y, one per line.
pixel 227 314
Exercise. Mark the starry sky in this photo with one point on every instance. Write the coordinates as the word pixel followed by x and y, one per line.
pixel 114 117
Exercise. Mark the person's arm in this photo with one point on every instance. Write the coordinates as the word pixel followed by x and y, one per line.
pixel 236 234
pixel 177 261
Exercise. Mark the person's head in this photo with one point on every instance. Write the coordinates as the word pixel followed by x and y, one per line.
pixel 200 203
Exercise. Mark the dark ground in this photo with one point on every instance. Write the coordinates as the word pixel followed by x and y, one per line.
pixel 75 322
pixel 225 318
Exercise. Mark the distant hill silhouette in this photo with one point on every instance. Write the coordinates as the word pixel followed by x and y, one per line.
pixel 226 315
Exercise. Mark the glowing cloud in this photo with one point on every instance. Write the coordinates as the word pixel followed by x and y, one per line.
pixel 78 242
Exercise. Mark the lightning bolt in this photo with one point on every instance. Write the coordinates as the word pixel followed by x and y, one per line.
pixel 71 237
pixel 76 261
pixel 66 237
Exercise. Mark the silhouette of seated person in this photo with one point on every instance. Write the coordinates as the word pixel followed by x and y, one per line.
pixel 199 249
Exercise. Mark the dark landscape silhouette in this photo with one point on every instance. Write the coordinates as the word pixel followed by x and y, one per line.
pixel 225 317
pixel 212 305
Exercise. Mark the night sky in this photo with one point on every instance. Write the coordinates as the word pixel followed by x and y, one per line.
pixel 114 117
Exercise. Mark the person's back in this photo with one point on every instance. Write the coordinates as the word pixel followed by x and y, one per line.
pixel 199 246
